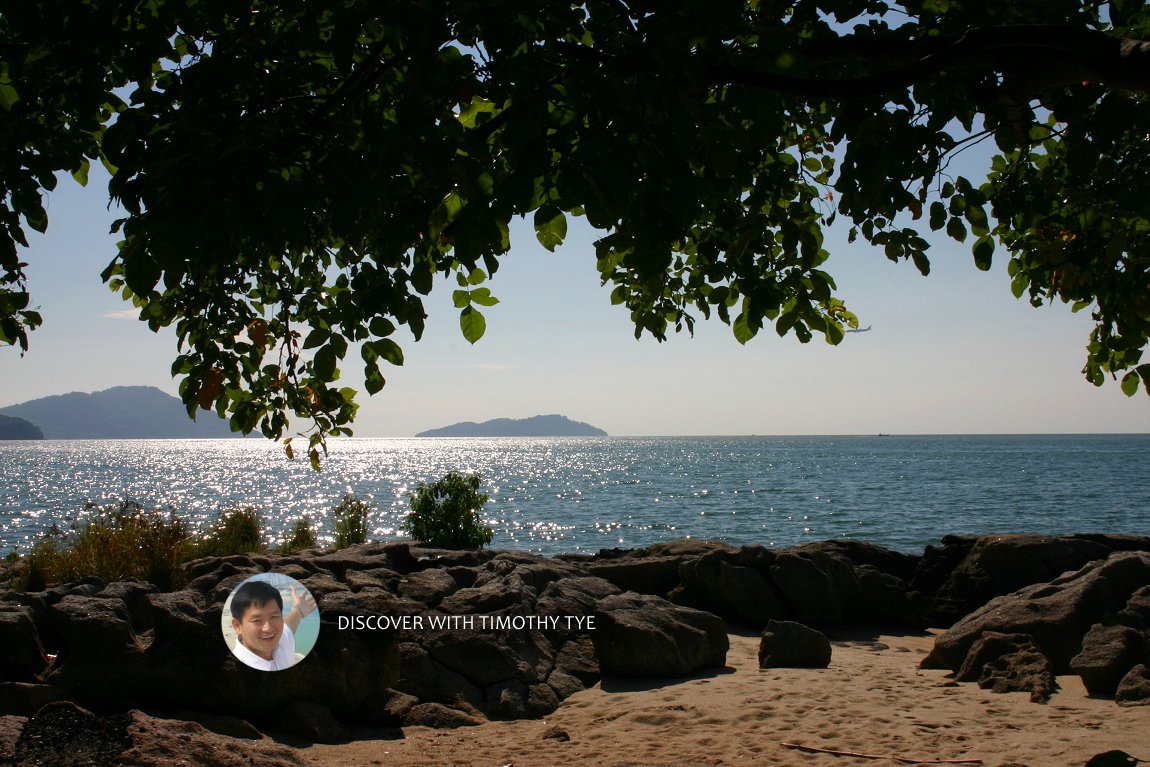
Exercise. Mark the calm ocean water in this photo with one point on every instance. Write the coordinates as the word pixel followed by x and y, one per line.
pixel 580 495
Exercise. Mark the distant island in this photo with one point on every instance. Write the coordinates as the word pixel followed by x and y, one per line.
pixel 18 428
pixel 536 426
pixel 123 412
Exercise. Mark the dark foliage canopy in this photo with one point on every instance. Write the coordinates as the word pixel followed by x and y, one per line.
pixel 296 173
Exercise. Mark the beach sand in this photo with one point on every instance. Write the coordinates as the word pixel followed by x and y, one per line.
pixel 872 700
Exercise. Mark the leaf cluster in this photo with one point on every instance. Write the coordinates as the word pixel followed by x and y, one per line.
pixel 297 176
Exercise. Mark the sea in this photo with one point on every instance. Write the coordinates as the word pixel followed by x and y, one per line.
pixel 581 495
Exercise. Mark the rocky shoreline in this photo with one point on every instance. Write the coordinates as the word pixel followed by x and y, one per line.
pixel 1018 610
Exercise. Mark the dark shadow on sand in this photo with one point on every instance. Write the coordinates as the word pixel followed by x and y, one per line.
pixel 641 684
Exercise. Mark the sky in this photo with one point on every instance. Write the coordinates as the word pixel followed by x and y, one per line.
pixel 952 353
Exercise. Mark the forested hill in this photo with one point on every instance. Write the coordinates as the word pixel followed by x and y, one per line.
pixel 18 428
pixel 123 412
pixel 536 426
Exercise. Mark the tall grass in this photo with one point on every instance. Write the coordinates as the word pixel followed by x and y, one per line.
pixel 301 537
pixel 112 543
pixel 127 540
pixel 237 531
pixel 350 521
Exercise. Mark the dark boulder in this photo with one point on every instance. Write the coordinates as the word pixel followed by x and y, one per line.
pixel 576 658
pixel 719 583
pixel 647 636
pixel 821 587
pixel 93 628
pixel 1136 613
pixel 1134 689
pixel 900 565
pixel 488 657
pixel 787 644
pixel 572 598
pixel 26 698
pixel 311 721
pixel 494 595
pixel 995 565
pixel 377 577
pixel 363 556
pixel 21 654
pixel 1055 615
pixel 1009 663
pixel 439 716
pixel 427 586
pixel 1108 653
pixel 134 594
pixel 644 575
pixel 429 681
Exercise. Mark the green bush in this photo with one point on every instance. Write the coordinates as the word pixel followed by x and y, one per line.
pixel 301 537
pixel 350 521
pixel 445 513
pixel 237 531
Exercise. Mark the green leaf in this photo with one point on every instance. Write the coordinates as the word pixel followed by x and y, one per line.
pixel 387 349
pixel 317 337
pixel 476 277
pixel 550 227
pixel 461 299
pixel 1130 383
pixel 1019 284
pixel 323 364
pixel 81 173
pixel 742 329
pixel 339 345
pixel 8 94
pixel 921 262
pixel 381 326
pixel 373 381
pixel 937 216
pixel 976 216
pixel 956 229
pixel 983 250
pixel 472 323
pixel 483 297
pixel 141 272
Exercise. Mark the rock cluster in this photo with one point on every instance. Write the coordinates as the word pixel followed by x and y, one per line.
pixel 1092 621
pixel 489 634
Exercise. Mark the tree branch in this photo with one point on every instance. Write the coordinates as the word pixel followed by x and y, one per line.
pixel 1039 57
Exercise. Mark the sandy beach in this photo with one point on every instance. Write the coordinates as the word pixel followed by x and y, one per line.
pixel 873 700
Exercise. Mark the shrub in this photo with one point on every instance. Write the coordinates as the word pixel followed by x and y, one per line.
pixel 445 513
pixel 350 521
pixel 301 537
pixel 112 543
pixel 237 531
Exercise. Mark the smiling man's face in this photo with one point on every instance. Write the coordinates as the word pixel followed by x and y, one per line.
pixel 260 628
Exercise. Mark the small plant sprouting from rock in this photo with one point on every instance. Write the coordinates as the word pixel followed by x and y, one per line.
pixel 350 521
pixel 237 531
pixel 445 513
pixel 300 537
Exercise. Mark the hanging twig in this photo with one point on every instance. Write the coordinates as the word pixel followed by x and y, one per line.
pixel 902 759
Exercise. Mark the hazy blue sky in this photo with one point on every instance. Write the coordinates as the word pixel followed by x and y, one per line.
pixel 950 353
